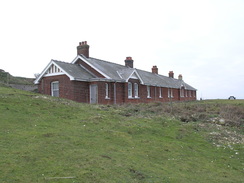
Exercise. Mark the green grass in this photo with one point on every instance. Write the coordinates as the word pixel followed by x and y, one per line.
pixel 45 139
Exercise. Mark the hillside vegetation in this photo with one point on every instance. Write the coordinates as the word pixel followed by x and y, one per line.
pixel 6 78
pixel 46 139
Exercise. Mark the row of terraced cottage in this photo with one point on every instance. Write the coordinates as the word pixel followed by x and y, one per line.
pixel 96 81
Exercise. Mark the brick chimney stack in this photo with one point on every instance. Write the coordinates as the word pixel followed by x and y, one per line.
pixel 83 49
pixel 180 77
pixel 171 74
pixel 155 69
pixel 129 62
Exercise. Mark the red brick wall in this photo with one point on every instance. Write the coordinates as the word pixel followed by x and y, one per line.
pixel 73 90
pixel 80 91
pixel 188 96
pixel 45 85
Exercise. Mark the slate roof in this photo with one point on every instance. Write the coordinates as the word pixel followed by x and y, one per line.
pixel 74 70
pixel 118 72
pixel 115 72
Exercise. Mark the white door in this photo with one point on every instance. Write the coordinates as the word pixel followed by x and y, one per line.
pixel 93 94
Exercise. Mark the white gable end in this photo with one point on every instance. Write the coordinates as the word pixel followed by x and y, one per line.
pixel 135 75
pixel 53 70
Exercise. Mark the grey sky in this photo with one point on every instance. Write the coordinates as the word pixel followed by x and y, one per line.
pixel 201 39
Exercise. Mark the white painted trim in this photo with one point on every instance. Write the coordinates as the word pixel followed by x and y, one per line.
pixel 53 74
pixel 148 91
pixel 119 74
pixel 134 71
pixel 52 89
pixel 130 94
pixel 43 73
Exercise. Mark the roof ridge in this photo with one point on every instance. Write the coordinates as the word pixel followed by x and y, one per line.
pixel 107 61
pixel 60 61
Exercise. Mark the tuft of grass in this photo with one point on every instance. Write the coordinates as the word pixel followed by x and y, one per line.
pixel 46 139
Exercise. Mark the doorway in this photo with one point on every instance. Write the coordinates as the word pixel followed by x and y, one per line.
pixel 93 94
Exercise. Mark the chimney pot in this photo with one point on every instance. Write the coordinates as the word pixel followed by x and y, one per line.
pixel 129 62
pixel 155 69
pixel 83 49
pixel 171 74
pixel 180 77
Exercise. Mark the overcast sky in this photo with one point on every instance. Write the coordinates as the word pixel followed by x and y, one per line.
pixel 201 39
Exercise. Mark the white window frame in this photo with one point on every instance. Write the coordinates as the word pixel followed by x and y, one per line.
pixel 136 92
pixel 170 93
pixel 53 89
pixel 148 92
pixel 129 90
pixel 182 92
pixel 106 91
pixel 189 93
pixel 160 92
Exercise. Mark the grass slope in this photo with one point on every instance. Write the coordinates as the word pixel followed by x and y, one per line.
pixel 45 139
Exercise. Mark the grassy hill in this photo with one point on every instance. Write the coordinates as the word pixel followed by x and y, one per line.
pixel 46 139
pixel 6 78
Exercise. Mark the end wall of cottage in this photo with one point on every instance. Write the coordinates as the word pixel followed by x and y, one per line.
pixel 72 90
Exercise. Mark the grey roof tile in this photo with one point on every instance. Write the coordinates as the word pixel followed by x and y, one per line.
pixel 74 70
pixel 121 73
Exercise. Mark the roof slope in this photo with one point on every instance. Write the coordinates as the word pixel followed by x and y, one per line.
pixel 113 72
pixel 75 71
pixel 107 67
pixel 118 72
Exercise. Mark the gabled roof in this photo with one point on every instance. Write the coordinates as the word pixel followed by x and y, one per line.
pixel 73 71
pixel 112 72
pixel 128 73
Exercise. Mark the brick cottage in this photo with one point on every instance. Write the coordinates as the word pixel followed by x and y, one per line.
pixel 95 81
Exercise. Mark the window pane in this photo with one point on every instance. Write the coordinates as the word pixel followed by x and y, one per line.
pixel 56 93
pixel 55 89
pixel 136 89
pixel 129 90
pixel 106 90
pixel 55 86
